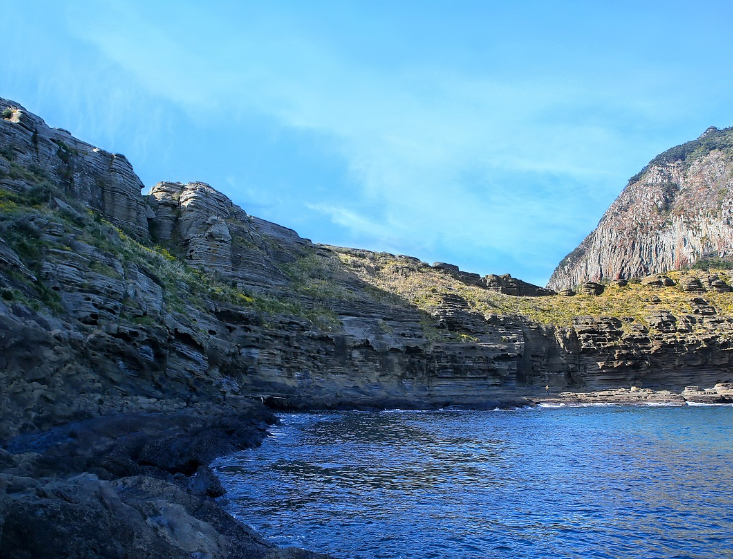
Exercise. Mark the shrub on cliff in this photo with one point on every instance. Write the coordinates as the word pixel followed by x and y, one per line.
pixel 713 262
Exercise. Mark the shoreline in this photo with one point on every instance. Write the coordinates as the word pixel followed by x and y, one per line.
pixel 720 394
pixel 131 486
pixel 141 485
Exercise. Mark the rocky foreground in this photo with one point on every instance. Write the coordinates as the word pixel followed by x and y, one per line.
pixel 129 486
pixel 141 334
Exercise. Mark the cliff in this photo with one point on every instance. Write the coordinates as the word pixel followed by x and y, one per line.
pixel 117 302
pixel 139 335
pixel 677 210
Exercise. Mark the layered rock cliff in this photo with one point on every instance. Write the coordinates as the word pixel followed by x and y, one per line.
pixel 678 209
pixel 115 302
pixel 139 336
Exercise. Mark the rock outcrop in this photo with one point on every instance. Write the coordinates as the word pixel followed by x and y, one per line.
pixel 129 486
pixel 105 181
pixel 678 210
pixel 213 234
pixel 513 286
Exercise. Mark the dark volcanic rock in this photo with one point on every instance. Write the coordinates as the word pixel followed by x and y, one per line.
pixel 134 498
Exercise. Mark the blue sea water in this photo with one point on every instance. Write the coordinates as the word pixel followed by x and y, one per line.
pixel 616 482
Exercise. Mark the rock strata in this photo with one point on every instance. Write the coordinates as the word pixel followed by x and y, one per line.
pixel 721 393
pixel 105 181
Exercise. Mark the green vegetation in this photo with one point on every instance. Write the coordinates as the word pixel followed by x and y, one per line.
pixel 8 113
pixel 319 280
pixel 712 139
pixel 65 152
pixel 713 263
pixel 425 287
pixel 318 277
pixel 24 216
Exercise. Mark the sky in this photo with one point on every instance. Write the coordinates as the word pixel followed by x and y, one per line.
pixel 488 134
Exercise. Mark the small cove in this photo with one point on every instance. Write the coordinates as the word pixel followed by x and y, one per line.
pixel 566 482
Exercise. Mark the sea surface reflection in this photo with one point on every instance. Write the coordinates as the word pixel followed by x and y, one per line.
pixel 570 482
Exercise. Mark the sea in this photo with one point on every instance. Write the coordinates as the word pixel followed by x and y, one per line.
pixel 576 482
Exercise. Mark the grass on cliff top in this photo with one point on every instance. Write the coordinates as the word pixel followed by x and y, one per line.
pixel 425 287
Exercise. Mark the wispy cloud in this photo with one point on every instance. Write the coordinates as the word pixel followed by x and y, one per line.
pixel 470 134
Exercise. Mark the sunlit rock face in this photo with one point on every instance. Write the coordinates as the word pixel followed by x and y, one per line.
pixel 212 233
pixel 103 181
pixel 676 211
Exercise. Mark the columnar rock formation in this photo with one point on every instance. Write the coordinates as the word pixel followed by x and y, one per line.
pixel 677 210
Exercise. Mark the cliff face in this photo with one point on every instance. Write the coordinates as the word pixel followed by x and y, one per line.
pixel 677 210
pixel 104 181
pixel 112 302
pixel 117 303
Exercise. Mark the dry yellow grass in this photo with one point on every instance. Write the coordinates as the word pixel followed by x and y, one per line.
pixel 424 287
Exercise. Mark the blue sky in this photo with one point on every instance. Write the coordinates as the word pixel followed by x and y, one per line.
pixel 491 135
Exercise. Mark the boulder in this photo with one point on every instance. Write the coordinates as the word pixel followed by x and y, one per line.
pixel 657 281
pixel 592 288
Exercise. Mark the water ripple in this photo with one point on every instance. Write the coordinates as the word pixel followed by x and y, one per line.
pixel 611 482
